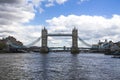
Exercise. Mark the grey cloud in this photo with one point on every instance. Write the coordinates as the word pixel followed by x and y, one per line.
pixel 8 16
pixel 8 8
pixel 15 13
pixel 2 36
pixel 5 31
pixel 5 22
pixel 11 1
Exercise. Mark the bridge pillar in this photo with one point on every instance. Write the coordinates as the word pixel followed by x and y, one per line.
pixel 44 48
pixel 75 48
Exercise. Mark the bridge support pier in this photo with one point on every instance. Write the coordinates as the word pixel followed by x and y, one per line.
pixel 44 48
pixel 74 48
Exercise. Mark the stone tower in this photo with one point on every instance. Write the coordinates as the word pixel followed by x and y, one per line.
pixel 44 37
pixel 44 48
pixel 74 48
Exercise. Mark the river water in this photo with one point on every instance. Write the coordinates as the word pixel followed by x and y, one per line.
pixel 58 66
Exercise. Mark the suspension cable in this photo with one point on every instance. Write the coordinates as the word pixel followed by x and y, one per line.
pixel 84 42
pixel 17 46
pixel 34 42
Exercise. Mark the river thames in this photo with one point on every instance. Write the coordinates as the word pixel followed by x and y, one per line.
pixel 58 66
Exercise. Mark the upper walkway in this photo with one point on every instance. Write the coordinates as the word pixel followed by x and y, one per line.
pixel 59 35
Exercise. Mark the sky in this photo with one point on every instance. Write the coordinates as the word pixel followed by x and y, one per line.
pixel 95 20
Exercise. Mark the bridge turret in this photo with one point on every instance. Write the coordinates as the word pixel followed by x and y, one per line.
pixel 75 38
pixel 44 37
pixel 74 48
pixel 44 48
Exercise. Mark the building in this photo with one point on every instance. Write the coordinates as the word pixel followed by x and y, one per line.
pixel 5 47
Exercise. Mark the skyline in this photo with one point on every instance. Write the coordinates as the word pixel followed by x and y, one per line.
pixel 95 19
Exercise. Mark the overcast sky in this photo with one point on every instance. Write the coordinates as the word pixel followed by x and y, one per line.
pixel 95 19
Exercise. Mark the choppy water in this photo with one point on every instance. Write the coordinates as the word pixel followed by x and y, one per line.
pixel 58 66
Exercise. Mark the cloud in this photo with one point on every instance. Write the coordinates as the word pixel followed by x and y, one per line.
pixel 41 10
pixel 52 2
pixel 13 14
pixel 26 34
pixel 12 1
pixel 60 1
pixel 90 28
pixel 39 4
pixel 49 4
pixel 81 1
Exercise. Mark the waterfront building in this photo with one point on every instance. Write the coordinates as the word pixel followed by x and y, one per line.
pixel 115 47
pixel 5 46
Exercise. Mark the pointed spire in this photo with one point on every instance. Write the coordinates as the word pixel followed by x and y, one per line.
pixel 74 28
pixel 44 28
pixel 105 40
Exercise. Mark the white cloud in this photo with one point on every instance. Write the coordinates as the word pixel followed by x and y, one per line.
pixel 61 1
pixel 52 2
pixel 49 4
pixel 41 10
pixel 90 28
pixel 14 13
pixel 26 34
pixel 81 1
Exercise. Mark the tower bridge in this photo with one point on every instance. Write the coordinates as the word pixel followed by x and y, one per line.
pixel 44 42
pixel 74 35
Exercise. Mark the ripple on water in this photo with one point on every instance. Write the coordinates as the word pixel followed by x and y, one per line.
pixel 58 66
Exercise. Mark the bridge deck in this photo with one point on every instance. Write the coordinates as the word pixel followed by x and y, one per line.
pixel 59 35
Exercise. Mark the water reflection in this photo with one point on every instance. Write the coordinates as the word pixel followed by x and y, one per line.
pixel 74 68
pixel 44 66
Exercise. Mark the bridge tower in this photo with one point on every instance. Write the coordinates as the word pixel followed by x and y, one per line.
pixel 74 48
pixel 44 48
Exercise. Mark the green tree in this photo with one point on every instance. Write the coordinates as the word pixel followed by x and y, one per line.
pixel 2 45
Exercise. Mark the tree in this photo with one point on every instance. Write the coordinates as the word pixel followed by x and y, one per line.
pixel 2 45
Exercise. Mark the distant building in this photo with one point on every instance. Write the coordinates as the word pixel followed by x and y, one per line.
pixel 4 45
pixel 115 47
pixel 13 40
pixel 95 46
pixel 108 45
